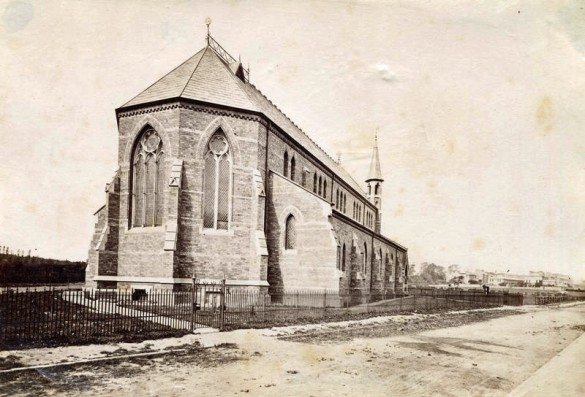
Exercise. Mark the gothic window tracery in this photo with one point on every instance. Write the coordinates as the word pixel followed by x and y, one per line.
pixel 217 183
pixel 147 180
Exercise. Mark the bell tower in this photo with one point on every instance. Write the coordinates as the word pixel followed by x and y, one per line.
pixel 374 183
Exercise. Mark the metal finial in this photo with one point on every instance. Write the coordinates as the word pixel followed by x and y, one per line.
pixel 376 137
pixel 208 22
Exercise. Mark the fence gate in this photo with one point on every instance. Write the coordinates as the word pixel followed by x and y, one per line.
pixel 208 304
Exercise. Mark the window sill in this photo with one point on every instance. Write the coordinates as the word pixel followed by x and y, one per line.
pixel 146 230
pixel 217 232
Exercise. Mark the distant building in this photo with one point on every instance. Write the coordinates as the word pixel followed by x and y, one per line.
pixel 557 279
pixel 532 279
pixel 454 272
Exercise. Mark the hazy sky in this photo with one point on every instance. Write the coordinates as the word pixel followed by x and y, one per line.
pixel 480 107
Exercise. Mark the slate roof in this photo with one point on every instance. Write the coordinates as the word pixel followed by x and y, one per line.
pixel 206 77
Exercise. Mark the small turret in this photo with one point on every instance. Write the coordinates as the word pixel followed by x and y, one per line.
pixel 374 183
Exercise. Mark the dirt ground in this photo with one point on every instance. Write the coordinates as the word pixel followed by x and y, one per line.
pixel 455 354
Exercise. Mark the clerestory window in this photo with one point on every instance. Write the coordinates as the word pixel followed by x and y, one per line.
pixel 285 166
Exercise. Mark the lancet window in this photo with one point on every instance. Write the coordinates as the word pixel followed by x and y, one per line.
pixel 290 233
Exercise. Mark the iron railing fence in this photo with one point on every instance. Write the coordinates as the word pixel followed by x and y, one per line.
pixel 75 315
pixel 558 298
pixel 243 308
pixel 496 298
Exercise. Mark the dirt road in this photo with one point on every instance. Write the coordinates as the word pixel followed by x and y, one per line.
pixel 488 358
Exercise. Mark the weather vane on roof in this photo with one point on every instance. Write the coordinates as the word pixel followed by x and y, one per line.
pixel 208 22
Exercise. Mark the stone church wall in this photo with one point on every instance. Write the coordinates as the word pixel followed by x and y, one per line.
pixel 212 254
pixel 311 265
pixel 139 255
pixel 375 281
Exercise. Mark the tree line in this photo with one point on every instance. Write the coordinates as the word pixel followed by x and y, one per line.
pixel 427 274
pixel 32 270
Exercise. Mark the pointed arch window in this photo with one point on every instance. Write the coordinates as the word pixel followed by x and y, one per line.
pixel 343 258
pixel 217 183
pixel 380 264
pixel 320 186
pixel 293 166
pixel 364 265
pixel 314 183
pixel 290 233
pixel 285 167
pixel 325 188
pixel 147 180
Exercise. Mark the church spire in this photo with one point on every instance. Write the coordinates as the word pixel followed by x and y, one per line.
pixel 375 173
pixel 374 182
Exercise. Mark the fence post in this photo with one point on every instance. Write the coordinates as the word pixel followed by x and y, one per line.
pixel 222 304
pixel 193 304
pixel 324 299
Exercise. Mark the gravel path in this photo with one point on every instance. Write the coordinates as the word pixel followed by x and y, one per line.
pixel 447 355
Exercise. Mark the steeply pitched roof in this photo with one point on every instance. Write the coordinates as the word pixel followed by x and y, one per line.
pixel 208 78
pixel 203 77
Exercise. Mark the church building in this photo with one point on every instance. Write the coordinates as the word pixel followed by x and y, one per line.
pixel 216 182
